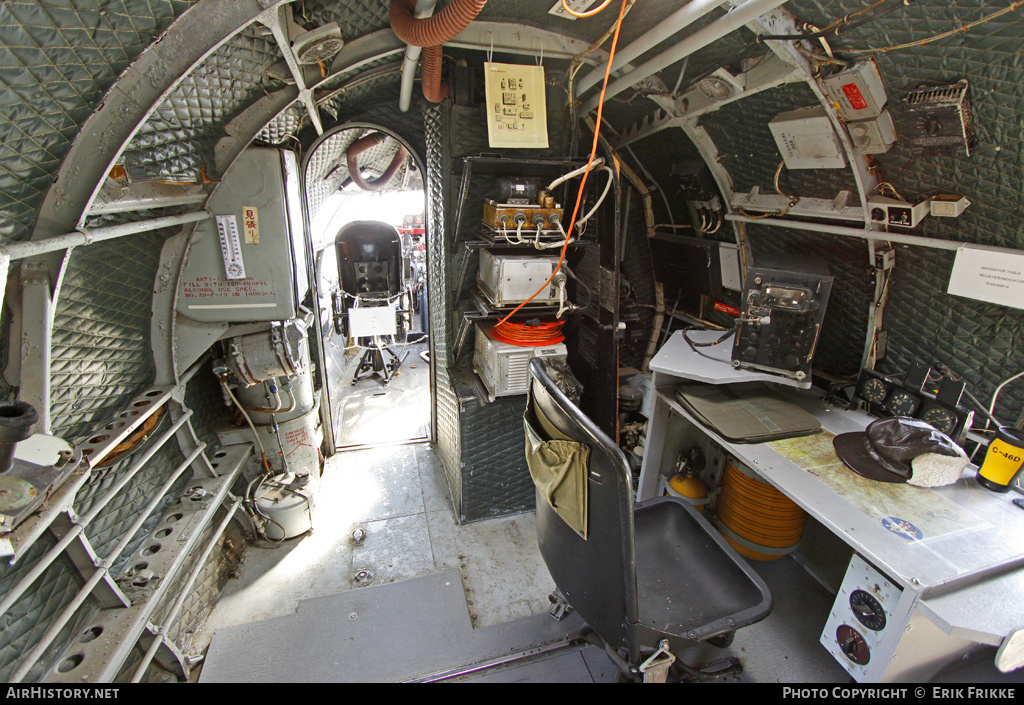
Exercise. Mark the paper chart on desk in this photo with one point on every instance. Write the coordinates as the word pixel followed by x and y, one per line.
pixel 929 512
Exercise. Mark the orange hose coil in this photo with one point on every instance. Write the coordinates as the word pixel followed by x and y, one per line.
pixel 760 514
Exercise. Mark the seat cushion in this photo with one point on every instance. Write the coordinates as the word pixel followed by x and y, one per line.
pixel 688 578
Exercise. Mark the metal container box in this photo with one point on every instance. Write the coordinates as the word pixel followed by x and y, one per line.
pixel 503 367
pixel 806 139
pixel 857 91
pixel 511 279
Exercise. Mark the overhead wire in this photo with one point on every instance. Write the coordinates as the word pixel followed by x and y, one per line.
pixel 935 37
pixel 513 331
pixel 793 200
pixel 588 13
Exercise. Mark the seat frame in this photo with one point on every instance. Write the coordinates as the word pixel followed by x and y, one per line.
pixel 597 576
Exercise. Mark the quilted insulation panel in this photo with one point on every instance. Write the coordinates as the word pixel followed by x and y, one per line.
pixel 495 480
pixel 57 59
pixel 977 341
pixel 101 354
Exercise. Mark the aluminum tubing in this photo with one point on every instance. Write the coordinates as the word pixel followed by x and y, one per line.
pixel 424 9
pixel 430 33
pixel 412 57
pixel 747 12
pixel 666 29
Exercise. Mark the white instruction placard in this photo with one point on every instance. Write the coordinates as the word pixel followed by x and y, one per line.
pixel 517 111
pixel 996 277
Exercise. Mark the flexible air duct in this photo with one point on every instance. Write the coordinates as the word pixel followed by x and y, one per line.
pixel 430 33
pixel 363 144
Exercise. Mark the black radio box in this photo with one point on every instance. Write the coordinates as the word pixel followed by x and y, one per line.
pixel 783 306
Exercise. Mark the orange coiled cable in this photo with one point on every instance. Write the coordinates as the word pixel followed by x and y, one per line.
pixel 510 332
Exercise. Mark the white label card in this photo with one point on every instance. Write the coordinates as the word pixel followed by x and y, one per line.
pixel 574 5
pixel 517 111
pixel 996 277
pixel 230 247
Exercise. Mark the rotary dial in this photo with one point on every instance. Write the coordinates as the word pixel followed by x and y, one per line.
pixel 901 403
pixel 867 610
pixel 942 419
pixel 853 645
pixel 873 390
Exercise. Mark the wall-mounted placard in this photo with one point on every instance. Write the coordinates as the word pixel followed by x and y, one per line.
pixel 517 114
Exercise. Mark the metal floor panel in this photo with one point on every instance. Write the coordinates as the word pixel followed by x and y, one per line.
pixel 383 633
pixel 369 412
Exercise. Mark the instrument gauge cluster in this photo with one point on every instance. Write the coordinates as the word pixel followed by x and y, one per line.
pixel 890 396
pixel 902 403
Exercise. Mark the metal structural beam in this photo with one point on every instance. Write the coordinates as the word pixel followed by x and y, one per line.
pixel 873 235
pixel 668 28
pixel 117 197
pixel 36 329
pixel 768 72
pixel 738 17
pixel 277 21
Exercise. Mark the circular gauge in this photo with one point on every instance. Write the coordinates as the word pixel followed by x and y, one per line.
pixel 873 390
pixel 867 610
pixel 901 403
pixel 942 419
pixel 853 645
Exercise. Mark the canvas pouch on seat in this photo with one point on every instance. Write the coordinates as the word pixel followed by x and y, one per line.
pixel 559 468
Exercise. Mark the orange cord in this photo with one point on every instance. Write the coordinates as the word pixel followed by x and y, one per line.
pixel 545 333
pixel 588 13
pixel 509 332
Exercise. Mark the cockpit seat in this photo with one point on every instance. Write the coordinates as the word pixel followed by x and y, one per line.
pixel 649 579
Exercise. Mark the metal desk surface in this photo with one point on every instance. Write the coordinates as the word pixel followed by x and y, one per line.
pixel 712 364
pixel 968 533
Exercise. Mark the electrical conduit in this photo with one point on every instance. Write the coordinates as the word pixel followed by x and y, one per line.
pixel 424 9
pixel 430 33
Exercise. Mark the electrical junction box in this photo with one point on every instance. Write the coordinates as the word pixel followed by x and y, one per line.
pixel 899 213
pixel 949 206
pixel 507 279
pixel 857 91
pixel 874 135
pixel 502 367
pixel 806 139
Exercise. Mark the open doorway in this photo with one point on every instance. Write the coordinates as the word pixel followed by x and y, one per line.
pixel 364 191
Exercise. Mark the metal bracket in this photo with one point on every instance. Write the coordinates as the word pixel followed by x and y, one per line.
pixel 82 556
pixel 36 331
pixel 560 609
pixel 655 669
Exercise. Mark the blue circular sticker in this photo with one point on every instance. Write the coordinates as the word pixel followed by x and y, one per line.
pixel 902 528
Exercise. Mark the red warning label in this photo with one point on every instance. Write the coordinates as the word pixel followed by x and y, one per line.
pixel 853 95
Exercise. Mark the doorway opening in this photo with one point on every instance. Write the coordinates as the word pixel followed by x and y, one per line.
pixel 366 200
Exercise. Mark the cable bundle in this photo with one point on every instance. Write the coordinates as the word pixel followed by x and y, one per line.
pixel 532 334
pixel 513 332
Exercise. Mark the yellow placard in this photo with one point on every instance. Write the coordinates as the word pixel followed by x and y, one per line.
pixel 251 225
pixel 516 106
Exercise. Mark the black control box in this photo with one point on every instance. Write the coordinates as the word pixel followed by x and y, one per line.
pixel 782 309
